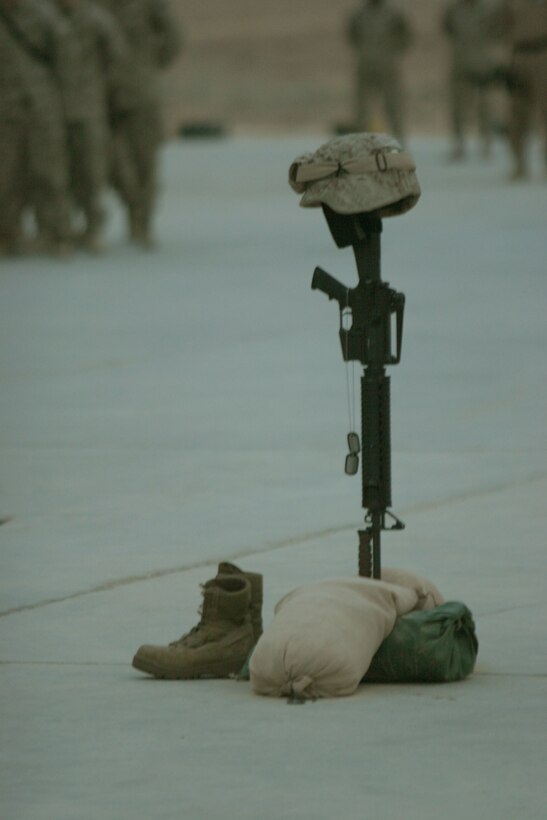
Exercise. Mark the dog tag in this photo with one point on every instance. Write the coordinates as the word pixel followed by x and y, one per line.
pixel 354 445
pixel 352 463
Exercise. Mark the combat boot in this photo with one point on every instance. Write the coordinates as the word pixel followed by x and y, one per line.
pixel 139 228
pixel 519 171
pixel 255 580
pixel 91 238
pixel 56 246
pixel 12 245
pixel 218 646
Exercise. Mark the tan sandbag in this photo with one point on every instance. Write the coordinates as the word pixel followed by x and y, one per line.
pixel 428 595
pixel 323 637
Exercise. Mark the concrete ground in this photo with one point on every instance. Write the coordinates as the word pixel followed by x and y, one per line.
pixel 162 411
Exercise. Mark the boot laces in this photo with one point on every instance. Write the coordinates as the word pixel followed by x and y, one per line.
pixel 195 629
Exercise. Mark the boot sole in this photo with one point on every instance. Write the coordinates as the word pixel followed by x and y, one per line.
pixel 211 670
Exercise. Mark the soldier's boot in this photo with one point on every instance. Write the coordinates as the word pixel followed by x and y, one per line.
pixel 217 646
pixel 60 247
pixel 91 238
pixel 139 227
pixel 12 245
pixel 519 170
pixel 255 580
pixel 134 220
pixel 457 153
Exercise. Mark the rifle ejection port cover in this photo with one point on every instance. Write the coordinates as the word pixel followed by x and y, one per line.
pixel 357 173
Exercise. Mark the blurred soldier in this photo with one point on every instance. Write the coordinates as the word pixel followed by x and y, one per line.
pixel 33 167
pixel 526 23
pixel 153 41
pixel 95 45
pixel 469 26
pixel 380 35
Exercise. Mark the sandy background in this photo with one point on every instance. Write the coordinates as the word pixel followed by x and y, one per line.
pixel 263 64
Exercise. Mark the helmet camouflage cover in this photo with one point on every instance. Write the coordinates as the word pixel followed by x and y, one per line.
pixel 357 173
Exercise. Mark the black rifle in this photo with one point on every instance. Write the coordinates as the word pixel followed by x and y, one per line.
pixel 377 314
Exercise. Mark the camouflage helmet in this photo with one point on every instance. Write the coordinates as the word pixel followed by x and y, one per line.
pixel 357 173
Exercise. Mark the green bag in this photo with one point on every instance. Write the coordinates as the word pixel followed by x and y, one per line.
pixel 427 646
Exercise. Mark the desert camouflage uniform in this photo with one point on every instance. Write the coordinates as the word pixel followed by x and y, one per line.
pixel 95 46
pixel 526 22
pixel 380 34
pixel 33 166
pixel 153 40
pixel 469 25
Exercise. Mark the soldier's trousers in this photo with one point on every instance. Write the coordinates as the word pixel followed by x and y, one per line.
pixel 384 86
pixel 466 94
pixel 528 99
pixel 33 173
pixel 88 159
pixel 136 137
